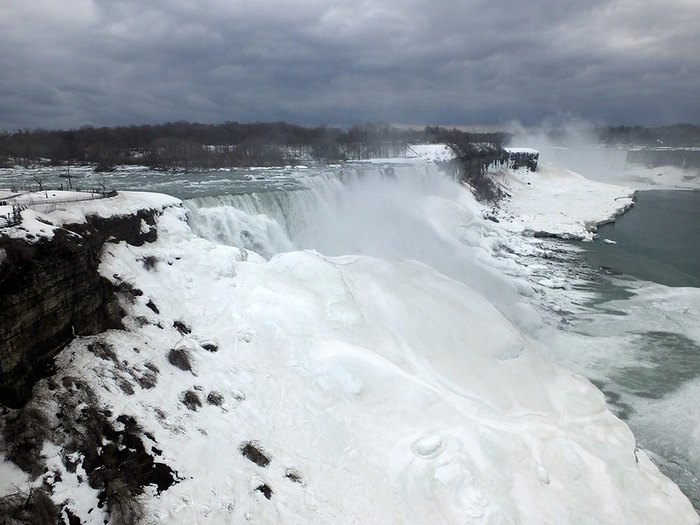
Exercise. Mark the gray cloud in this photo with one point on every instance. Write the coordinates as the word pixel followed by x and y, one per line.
pixel 451 62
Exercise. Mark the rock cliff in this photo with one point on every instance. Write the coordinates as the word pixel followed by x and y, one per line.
pixel 51 291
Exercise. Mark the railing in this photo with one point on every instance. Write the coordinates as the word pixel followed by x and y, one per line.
pixel 89 196
pixel 15 217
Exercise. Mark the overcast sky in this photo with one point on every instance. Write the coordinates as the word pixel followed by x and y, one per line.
pixel 452 62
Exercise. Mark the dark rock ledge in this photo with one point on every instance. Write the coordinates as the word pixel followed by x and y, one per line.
pixel 51 291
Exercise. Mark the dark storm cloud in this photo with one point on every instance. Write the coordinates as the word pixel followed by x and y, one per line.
pixel 65 64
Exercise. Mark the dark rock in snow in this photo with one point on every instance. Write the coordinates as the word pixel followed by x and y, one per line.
pixel 210 347
pixel 252 451
pixel 215 398
pixel 191 400
pixel 150 304
pixel 265 489
pixel 293 474
pixel 180 358
pixel 182 327
pixel 150 262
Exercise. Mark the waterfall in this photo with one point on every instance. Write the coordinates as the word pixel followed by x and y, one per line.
pixel 402 212
pixel 336 212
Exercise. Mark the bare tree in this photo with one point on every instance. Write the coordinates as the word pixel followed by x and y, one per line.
pixel 39 181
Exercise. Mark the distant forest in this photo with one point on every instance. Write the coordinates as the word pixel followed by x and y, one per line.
pixel 192 145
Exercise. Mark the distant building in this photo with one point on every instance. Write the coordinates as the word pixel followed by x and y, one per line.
pixel 523 157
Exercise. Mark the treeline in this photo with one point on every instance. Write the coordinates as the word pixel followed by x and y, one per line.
pixel 189 145
pixel 677 135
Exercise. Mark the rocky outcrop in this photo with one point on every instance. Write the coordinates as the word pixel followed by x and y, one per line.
pixel 523 158
pixel 51 291
pixel 472 164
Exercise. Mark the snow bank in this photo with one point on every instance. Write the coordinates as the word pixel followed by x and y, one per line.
pixel 379 391
pixel 557 202
pixel 46 211
pixel 418 153
pixel 528 151
pixel 431 152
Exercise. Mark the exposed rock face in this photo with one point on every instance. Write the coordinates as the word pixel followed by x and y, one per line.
pixel 519 158
pixel 51 291
pixel 472 163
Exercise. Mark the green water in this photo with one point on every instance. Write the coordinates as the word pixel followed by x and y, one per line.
pixel 658 240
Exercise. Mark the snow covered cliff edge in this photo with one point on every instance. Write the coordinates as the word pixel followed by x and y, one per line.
pixel 556 202
pixel 50 289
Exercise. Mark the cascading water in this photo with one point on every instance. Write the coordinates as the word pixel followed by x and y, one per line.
pixel 234 220
pixel 303 215
pixel 403 212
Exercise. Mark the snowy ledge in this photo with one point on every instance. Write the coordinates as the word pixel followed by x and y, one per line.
pixel 417 154
pixel 556 202
pixel 43 212
pixel 50 290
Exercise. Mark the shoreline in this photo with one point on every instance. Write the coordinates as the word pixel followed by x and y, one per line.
pixel 646 325
pixel 555 202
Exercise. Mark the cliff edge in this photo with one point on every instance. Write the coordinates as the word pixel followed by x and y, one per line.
pixel 50 289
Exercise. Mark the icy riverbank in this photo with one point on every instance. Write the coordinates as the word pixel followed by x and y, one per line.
pixel 556 202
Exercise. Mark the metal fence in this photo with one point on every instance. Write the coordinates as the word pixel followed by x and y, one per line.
pixel 15 217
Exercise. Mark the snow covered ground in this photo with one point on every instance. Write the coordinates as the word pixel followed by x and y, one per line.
pixel 373 389
pixel 558 202
pixel 389 392
pixel 431 152
pixel 48 210
pixel 418 153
